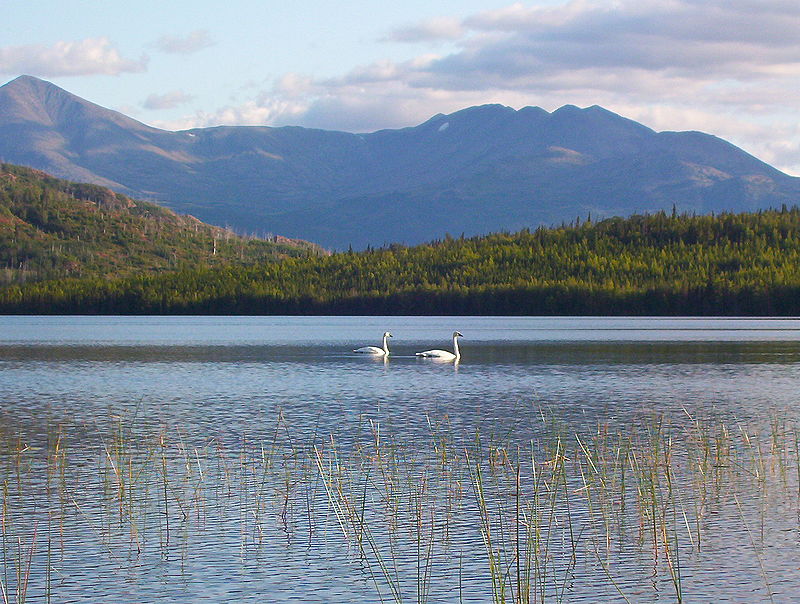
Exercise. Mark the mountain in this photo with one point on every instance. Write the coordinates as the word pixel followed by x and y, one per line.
pixel 52 228
pixel 481 169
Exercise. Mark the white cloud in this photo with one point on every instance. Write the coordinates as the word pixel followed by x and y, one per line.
pixel 167 100
pixel 191 43
pixel 293 85
pixel 438 28
pixel 91 56
pixel 264 112
pixel 252 113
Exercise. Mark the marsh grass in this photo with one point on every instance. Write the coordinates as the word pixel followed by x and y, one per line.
pixel 441 517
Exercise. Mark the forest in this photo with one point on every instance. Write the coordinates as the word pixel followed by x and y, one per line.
pixel 744 264
pixel 52 228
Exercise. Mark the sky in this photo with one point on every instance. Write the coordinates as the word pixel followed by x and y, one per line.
pixel 726 67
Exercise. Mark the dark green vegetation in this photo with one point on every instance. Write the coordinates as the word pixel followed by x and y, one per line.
pixel 51 228
pixel 731 264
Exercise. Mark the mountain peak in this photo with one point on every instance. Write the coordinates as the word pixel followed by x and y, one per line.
pixel 28 99
pixel 27 81
pixel 491 110
pixel 32 89
pixel 23 99
pixel 31 99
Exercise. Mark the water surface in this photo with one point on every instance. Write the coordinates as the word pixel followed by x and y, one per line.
pixel 227 379
pixel 209 371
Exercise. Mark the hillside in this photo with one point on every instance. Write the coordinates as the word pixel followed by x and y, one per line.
pixel 731 264
pixel 52 228
pixel 478 170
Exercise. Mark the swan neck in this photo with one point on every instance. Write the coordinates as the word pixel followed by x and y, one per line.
pixel 385 344
pixel 455 347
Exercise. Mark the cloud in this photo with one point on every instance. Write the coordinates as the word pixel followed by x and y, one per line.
pixel 438 28
pixel 293 85
pixel 91 56
pixel 256 113
pixel 191 43
pixel 731 67
pixel 261 112
pixel 167 100
pixel 691 39
pixel 640 47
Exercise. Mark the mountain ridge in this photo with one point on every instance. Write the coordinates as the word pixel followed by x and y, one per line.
pixel 477 170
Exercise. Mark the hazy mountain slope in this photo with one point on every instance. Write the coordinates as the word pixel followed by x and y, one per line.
pixel 477 170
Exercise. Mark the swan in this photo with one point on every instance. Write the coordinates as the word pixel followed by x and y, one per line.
pixel 384 352
pixel 444 355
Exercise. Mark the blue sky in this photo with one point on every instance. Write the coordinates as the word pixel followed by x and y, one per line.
pixel 728 67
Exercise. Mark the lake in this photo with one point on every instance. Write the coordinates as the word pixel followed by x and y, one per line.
pixel 156 459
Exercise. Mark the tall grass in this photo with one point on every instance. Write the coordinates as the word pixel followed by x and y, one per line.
pixel 444 516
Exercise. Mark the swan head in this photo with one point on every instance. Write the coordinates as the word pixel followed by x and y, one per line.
pixel 458 334
pixel 386 334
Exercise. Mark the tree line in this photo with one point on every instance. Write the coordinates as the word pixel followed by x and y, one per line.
pixel 659 264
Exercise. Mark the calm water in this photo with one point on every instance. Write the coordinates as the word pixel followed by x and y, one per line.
pixel 227 371
pixel 228 379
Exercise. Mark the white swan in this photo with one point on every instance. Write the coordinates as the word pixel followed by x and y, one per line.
pixel 444 355
pixel 374 349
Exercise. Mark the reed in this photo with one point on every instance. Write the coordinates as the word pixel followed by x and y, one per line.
pixel 524 516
